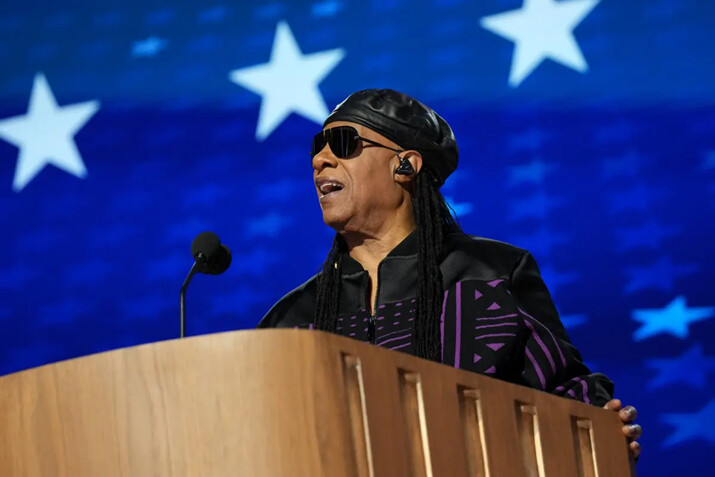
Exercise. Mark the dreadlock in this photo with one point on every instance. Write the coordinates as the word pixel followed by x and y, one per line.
pixel 328 294
pixel 433 220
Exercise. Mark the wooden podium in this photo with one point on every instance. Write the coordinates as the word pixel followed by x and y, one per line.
pixel 291 403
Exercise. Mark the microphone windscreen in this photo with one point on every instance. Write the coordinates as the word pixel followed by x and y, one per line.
pixel 207 244
pixel 221 261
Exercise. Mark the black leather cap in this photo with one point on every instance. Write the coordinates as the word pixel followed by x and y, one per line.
pixel 406 122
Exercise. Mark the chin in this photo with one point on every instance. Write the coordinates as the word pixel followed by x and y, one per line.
pixel 335 220
pixel 334 223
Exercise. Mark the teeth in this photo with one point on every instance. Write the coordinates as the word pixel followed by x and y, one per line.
pixel 329 187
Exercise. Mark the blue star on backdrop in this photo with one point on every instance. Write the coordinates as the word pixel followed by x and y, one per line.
pixel 691 426
pixel 674 319
pixel 586 132
pixel 692 367
pixel 148 47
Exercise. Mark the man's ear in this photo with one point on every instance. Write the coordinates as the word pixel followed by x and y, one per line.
pixel 415 160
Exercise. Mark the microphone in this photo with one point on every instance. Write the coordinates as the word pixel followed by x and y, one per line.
pixel 210 254
pixel 210 257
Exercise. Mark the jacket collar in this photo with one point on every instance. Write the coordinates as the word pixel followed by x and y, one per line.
pixel 406 248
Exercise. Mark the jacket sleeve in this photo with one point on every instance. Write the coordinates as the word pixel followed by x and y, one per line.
pixel 294 310
pixel 551 362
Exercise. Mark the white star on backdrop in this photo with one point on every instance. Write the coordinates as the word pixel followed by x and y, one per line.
pixel 541 29
pixel 673 319
pixel 45 134
pixel 288 83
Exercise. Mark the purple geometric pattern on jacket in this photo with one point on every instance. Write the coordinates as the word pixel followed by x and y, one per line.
pixel 482 330
pixel 393 325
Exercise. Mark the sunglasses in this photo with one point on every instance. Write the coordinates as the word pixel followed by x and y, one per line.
pixel 343 141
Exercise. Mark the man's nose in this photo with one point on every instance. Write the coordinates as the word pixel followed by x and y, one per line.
pixel 324 158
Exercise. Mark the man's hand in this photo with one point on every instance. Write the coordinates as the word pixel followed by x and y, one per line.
pixel 632 431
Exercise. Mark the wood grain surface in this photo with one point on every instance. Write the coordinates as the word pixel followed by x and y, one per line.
pixel 289 403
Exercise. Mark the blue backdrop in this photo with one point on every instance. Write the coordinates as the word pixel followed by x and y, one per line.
pixel 587 136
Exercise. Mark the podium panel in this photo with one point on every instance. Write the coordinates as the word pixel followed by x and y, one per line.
pixel 291 403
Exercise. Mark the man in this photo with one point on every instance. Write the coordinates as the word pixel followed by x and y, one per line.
pixel 401 273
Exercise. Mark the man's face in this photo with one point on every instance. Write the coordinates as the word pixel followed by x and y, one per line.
pixel 369 195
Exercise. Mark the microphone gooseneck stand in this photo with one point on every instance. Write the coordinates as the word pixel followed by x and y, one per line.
pixel 182 297
pixel 210 257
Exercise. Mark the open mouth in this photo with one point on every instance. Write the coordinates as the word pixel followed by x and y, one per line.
pixel 328 187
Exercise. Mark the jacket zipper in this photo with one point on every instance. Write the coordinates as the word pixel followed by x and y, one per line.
pixel 372 318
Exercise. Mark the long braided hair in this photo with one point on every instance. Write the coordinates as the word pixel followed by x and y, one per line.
pixel 433 220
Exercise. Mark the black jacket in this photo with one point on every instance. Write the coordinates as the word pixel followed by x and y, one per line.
pixel 497 317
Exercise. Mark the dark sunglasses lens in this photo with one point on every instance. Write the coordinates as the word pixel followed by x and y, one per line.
pixel 319 143
pixel 343 141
